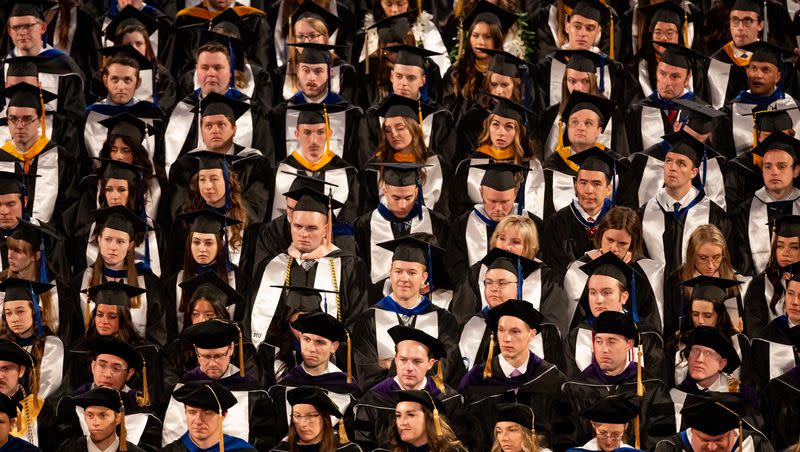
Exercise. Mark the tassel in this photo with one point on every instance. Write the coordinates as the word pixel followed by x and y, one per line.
pixel 533 428
pixel 123 432
pixel 34 383
pixel 459 6
pixel 438 379
pixel 487 371
pixel 756 158
pixel 41 105
pixel 733 384
pixel 366 51
pixel 419 114
pixel 343 439
pixel 349 360
pixel 329 228
pixel 241 353
pixel 327 131
pixel 611 35
pixel 519 278
pixel 145 389
pixel 221 436
pixel 637 442
pixel 686 29
pixel 437 421
pixel 741 431
pixel 419 8
pixel 88 312
pixel 460 39
pixel 765 31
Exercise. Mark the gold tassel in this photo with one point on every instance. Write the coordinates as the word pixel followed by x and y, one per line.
pixel 327 128
pixel 757 159
pixel 459 5
pixel 686 29
pixel 44 118
pixel 329 229
pixel 241 352
pixel 366 51
pixel 419 115
pixel 34 386
pixel 741 434
pixel 639 384
pixel 145 399
pixel 343 439
pixel 533 428
pixel 460 39
pixel 637 438
pixel 733 384
pixel 438 379
pixel 349 360
pixel 419 8
pixel 611 35
pixel 221 437
pixel 487 371
pixel 123 433
pixel 290 51
pixel 437 421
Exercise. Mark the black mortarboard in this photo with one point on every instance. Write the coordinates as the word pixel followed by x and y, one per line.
pixel 228 35
pixel 304 299
pixel 100 396
pixel 302 183
pixel 8 406
pixel 700 114
pixel 314 53
pixel 130 15
pixel 109 345
pixel 400 174
pixel 411 55
pixel 314 113
pixel 520 309
pixel 117 169
pixel 412 248
pixel 506 260
pixel 207 221
pixel 515 412
pixel 681 142
pixel 210 285
pixel 396 105
pixel 580 60
pixel 314 396
pixel 591 9
pixel 26 95
pixel 313 201
pixel 504 63
pixel 113 293
pixel 507 108
pixel 774 120
pixel 207 395
pixel 679 55
pixel 22 289
pixel 120 218
pixel 207 160
pixel 788 226
pixel 709 336
pixel 779 141
pixel 596 159
pixel 709 415
pixel 125 124
pixel 420 396
pixel 311 9
pixel 35 8
pixel 501 176
pixel 613 409
pixel 765 52
pixel 583 101
pixel 218 104
pixel 613 322
pixel 400 333
pixel 322 324
pixel 754 6
pixel 11 351
pixel 34 233
pixel 710 288
pixel 394 28
pixel 11 183
pixel 23 66
pixel 608 264
pixel 491 14
pixel 213 333
pixel 667 12
pixel 128 51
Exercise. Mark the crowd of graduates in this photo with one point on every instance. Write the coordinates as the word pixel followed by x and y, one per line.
pixel 469 225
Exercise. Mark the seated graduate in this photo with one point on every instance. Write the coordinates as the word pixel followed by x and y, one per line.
pixel 515 429
pixel 620 232
pixel 9 414
pixel 321 335
pixel 208 409
pixel 410 302
pixel 217 343
pixel 714 421
pixel 312 155
pixel 568 234
pixel 401 212
pixel 612 370
pixel 516 374
pixel 312 261
pixel 20 388
pixel 780 399
pixel 102 411
pixel 420 426
pixel 117 232
pixel 416 355
pixel 705 306
pixel 610 418
pixel 610 286
pixel 311 428
pixel 403 140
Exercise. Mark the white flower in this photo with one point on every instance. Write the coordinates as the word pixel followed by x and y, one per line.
pixel 372 35
pixel 514 44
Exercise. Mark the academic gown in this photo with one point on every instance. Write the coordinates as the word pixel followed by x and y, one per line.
pixel 371 341
pixel 161 41
pixel 742 179
pixel 83 39
pixel 782 396
pixel 648 120
pixel 567 235
pixel 60 130
pixel 283 446
pixel 344 82
pixel 657 418
pixel 34 423
pixel 680 366
pixel 435 187
pixel 67 321
pixel 612 137
pixel 666 237
pixel 754 441
pixel 752 410
pixel 268 307
pixel 453 101
pixel 757 299
pixel 771 355
pixel 374 412
pixel 54 191
pixel 18 445
pixel 143 428
pixel 253 416
pixel 81 445
pixel 469 128
pixel 539 387
pixel 645 64
pixel 332 169
pixel 628 42
pixel 230 443
pixel 545 19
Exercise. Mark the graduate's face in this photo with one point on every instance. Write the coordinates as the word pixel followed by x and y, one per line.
pixel 396 133
pixel 745 27
pixel 513 337
pixel 664 32
pixel 578 81
pixel 779 170
pixel 617 241
pixel 26 32
pixel 709 443
pixel 304 31
pixel 12 80
pixel 313 78
pixel 136 40
pixel 106 320
pixel 502 131
pixel 116 192
pixel 481 37
pixel 203 310
pixel 787 250
pixel 497 203
pixel 10 209
pixel 204 247
pixel 121 82
pixel 121 4
pixel 412 361
pixel 501 85
pixel 120 151
pixel 211 184
pixel 762 78
pixel 23 123
pixel 316 350
pixel 111 371
pixel 509 436
pixel 394 7
pixel 411 423
pixel 19 316
pixel 400 200
pixel 407 279
pixel 308 230
pixel 793 301
pixel 511 239
pixel 611 352
pixel 214 361
pixel 217 132
pixel 709 257
pixel 6 425
pixel 407 80
pixel 114 246
pixel 609 436
pixel 312 140
pixel 605 294
pixel 307 421
pixel 678 171
pixel 101 422
pixel 703 313
pixel 671 80
pixel 583 128
pixel 582 32
pixel 591 189
pixel 213 71
pixel 10 373
pixel 21 260
pixel 203 425
pixel 499 286
pixel 705 363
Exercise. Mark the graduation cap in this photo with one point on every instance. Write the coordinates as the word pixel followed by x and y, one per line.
pixel 580 60
pixel 313 201
pixel 219 104
pixel 596 159
pixel 207 221
pixel 113 293
pixel 209 160
pixel 507 108
pixel 491 14
pixel 120 218
pixel 314 396
pixel 681 142
pixel 608 264
pixel 117 169
pixel 314 113
pixel 504 63
pixel 709 336
pixel 25 290
pixel 227 35
pixel 501 176
pixel 127 125
pixel 302 185
pixel 520 266
pixel 34 233
pixel 311 10
pixel 395 105
pixel 210 285
pixel 394 28
pixel 679 55
pixel 774 120
pixel 213 333
pixel 699 115
pixel 400 333
pixel 130 16
pixel 779 141
pixel 12 183
pixel 304 299
pixel 710 288
pixel 613 322
pixel 411 55
pixel 518 413
pixel 9 407
pixel 314 53
pixel 714 415
pixel 520 309
pixel 22 8
pixel 109 345
pixel 788 226
pixel 127 51
pixel 11 351
pixel 418 248
pixel 26 95
pixel 101 396
pixel 425 399
pixel 592 9
pixel 613 409
pixel 23 66
pixel 766 52
pixel 329 327
pixel 578 101
pixel 400 174
pixel 667 12
pixel 754 6
pixel 207 395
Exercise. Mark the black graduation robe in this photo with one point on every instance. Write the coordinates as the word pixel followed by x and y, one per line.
pixel 142 426
pixel 782 396
pixel 60 130
pixel 230 443
pixel 567 235
pixel 757 299
pixel 80 445
pixel 539 387
pixel 82 42
pixel 374 412
pixel 771 355
pixel 751 407
pixel 161 41
pixel 371 342
pixel 647 120
pixel 283 446
pixel 657 418
pixel 754 441
pixel 742 179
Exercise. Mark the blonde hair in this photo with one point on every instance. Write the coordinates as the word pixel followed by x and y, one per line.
pixel 529 442
pixel 708 233
pixel 526 228
pixel 45 299
pixel 519 137
pixel 294 54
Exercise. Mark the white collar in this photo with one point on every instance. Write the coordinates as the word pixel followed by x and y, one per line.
pixel 666 200
pixel 721 385
pixel 315 100
pixel 763 195
pixel 791 325
pixel 739 53
pixel 592 445
pixel 231 371
pixel 508 368
pixel 91 447
pixel 582 212
pixel 329 369
pixel 420 387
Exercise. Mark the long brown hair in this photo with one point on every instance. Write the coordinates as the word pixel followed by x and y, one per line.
pixel 45 299
pixel 519 137
pixel 594 90
pixel 237 211
pixel 516 95
pixel 625 219
pixel 326 444
pixel 37 349
pixel 127 332
pixel 385 153
pixel 774 273
pixel 132 278
pixel 465 75
pixel 444 443
pixel 708 233
pixel 136 27
pixel 529 442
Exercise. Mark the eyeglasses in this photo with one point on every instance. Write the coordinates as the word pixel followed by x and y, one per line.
pixel 23 27
pixel 706 259
pixel 747 22
pixel 308 37
pixel 214 357
pixel 706 354
pixel 615 436
pixel 113 368
pixel 300 418
pixel 661 34
pixel 22 121
pixel 501 283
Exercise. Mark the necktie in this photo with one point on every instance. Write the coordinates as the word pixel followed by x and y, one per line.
pixel 671 114
pixel 515 373
pixel 307 264
pixel 675 210
pixel 590 220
